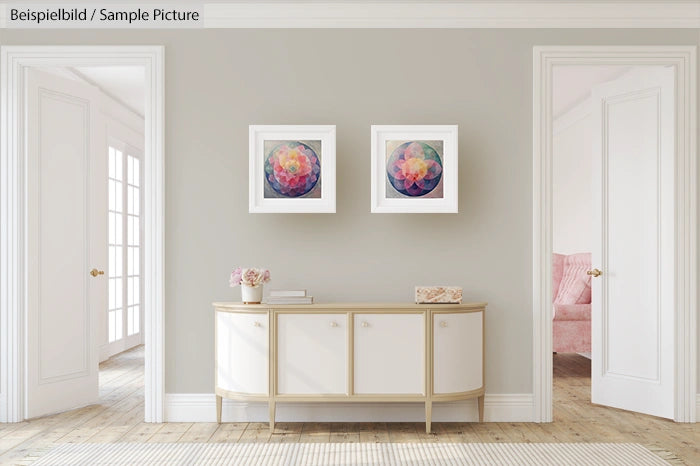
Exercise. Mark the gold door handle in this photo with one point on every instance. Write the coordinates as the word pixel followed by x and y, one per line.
pixel 95 272
pixel 595 273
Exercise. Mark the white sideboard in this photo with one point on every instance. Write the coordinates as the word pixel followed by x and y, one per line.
pixel 349 352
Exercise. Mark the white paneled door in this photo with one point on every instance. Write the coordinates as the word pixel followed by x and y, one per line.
pixel 66 230
pixel 633 247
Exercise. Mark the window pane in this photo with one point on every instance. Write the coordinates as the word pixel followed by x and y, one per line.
pixel 112 326
pixel 111 162
pixel 136 231
pixel 136 259
pixel 118 293
pixel 137 296
pixel 130 203
pixel 130 169
pixel 119 318
pixel 130 261
pixel 112 295
pixel 118 229
pixel 137 201
pixel 130 321
pixel 131 230
pixel 112 262
pixel 129 291
pixel 110 228
pixel 119 196
pixel 137 319
pixel 118 259
pixel 110 194
pixel 137 178
pixel 119 167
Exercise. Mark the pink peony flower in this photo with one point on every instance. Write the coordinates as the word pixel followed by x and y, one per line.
pixel 249 276
pixel 236 277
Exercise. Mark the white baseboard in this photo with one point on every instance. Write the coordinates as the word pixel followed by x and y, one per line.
pixel 201 407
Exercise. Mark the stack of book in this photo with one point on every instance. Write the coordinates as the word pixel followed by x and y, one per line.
pixel 289 297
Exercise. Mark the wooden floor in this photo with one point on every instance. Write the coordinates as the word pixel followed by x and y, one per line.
pixel 119 418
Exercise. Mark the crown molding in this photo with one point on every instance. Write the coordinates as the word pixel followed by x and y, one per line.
pixel 461 14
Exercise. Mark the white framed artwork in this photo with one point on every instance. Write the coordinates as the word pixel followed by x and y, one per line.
pixel 291 169
pixel 414 169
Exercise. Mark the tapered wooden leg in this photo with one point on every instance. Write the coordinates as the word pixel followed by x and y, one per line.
pixel 481 408
pixel 218 409
pixel 272 415
pixel 428 415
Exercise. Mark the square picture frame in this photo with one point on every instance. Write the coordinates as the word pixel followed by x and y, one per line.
pixel 291 169
pixel 414 169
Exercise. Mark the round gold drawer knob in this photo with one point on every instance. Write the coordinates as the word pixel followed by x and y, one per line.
pixel 443 324
pixel 334 324
pixel 95 272
pixel 365 324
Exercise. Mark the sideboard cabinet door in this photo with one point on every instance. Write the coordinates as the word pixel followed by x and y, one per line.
pixel 457 352
pixel 312 354
pixel 242 352
pixel 389 353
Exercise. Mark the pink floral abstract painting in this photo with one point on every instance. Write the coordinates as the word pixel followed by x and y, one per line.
pixel 292 169
pixel 414 169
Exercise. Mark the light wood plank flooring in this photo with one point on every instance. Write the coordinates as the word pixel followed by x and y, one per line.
pixel 119 418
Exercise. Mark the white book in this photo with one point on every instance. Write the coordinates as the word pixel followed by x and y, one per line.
pixel 287 293
pixel 289 300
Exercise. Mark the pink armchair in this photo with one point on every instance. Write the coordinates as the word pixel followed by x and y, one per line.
pixel 571 294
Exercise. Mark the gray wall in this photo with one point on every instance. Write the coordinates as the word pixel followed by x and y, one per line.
pixel 220 81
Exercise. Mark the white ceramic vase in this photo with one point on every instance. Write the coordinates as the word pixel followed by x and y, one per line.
pixel 251 294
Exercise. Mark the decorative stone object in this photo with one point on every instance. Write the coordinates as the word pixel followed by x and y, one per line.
pixel 438 294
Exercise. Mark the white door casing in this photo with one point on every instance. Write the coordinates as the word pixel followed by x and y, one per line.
pixel 14 61
pixel 311 354
pixel 66 191
pixel 683 61
pixel 387 356
pixel 633 242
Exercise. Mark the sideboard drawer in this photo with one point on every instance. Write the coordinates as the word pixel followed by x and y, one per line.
pixel 242 352
pixel 457 352
pixel 312 353
pixel 389 354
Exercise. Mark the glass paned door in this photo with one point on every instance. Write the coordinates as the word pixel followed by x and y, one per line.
pixel 124 310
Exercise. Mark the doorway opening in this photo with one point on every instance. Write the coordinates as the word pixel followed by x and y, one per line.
pixel 85 143
pixel 572 229
pixel 637 247
pixel 84 125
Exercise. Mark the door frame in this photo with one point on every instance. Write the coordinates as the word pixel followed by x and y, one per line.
pixel 683 58
pixel 14 60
